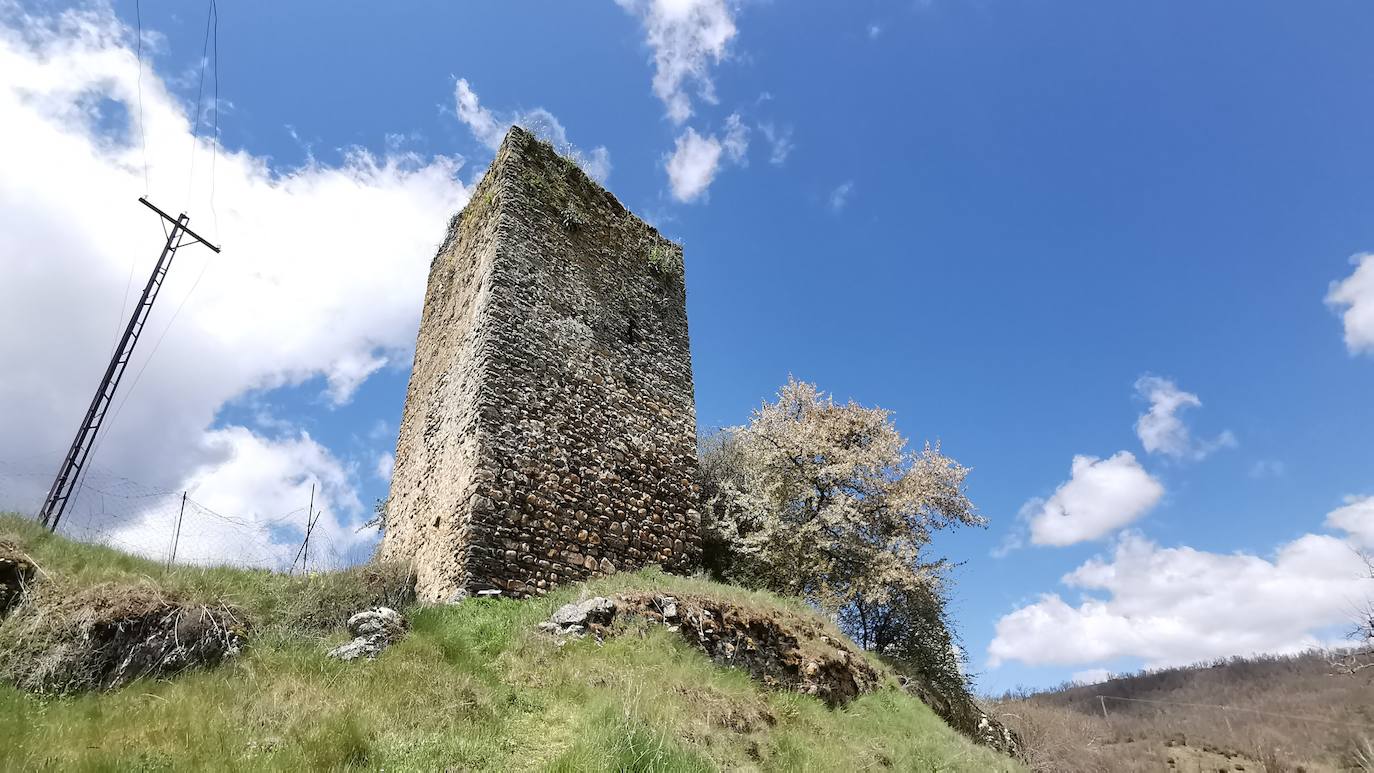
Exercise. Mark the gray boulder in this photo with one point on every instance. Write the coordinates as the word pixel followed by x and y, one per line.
pixel 376 620
pixel 375 629
pixel 577 618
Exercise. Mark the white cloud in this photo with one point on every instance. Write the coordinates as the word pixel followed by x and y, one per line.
pixel 1091 676
pixel 1101 496
pixel 1015 539
pixel 874 30
pixel 779 143
pixel 1171 606
pixel 381 431
pixel 322 276
pixel 349 372
pixel 485 126
pixel 1355 517
pixel 1267 468
pixel 687 37
pixel 696 160
pixel 1353 298
pixel 385 463
pixel 1162 431
pixel 693 165
pixel 736 140
pixel 489 128
pixel 839 197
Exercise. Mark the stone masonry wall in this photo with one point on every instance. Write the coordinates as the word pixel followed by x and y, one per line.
pixel 432 480
pixel 549 431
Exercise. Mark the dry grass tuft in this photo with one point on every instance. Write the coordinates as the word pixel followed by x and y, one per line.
pixel 323 603
pixel 63 639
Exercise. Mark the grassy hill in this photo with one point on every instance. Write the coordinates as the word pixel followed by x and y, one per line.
pixel 473 687
pixel 1283 713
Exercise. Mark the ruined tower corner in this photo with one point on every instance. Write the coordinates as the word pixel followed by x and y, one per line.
pixel 549 429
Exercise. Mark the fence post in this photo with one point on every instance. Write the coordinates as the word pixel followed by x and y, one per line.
pixel 1103 701
pixel 177 537
pixel 309 524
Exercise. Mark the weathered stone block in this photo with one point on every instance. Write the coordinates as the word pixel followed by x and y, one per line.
pixel 552 390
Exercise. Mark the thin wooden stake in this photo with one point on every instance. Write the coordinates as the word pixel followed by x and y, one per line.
pixel 177 537
pixel 1103 701
pixel 309 524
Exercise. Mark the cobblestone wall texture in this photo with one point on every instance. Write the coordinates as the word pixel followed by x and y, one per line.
pixel 549 430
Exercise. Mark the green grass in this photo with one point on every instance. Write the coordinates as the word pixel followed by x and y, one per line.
pixel 473 687
pixel 666 262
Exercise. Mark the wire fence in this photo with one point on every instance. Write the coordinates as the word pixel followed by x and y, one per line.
pixel 165 524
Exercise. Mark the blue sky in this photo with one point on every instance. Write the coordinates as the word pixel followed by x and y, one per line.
pixel 993 218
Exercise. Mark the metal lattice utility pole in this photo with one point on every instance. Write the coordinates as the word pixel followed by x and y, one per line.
pixel 77 456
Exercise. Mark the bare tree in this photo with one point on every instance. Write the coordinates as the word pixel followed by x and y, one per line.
pixel 1362 656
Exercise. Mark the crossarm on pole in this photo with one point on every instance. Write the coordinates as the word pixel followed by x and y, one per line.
pixel 173 220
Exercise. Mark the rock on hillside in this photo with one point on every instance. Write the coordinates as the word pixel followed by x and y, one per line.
pixel 779 649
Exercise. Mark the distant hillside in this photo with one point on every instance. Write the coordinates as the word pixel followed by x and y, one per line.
pixel 1283 713
pixel 473 686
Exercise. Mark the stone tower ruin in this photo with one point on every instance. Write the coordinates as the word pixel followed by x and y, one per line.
pixel 549 430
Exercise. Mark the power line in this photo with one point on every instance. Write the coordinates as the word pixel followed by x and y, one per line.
pixel 142 133
pixel 214 147
pixel 210 13
pixel 143 140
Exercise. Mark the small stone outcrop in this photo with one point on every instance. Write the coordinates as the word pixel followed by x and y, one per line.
pixel 780 649
pixel 578 618
pixel 375 629
pixel 995 735
pixel 960 711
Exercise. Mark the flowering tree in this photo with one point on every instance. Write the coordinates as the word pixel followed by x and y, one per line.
pixel 825 501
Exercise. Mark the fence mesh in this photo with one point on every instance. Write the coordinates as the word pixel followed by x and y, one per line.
pixel 135 517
